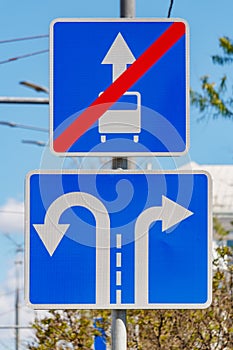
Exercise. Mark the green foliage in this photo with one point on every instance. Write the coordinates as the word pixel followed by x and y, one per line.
pixel 213 98
pixel 227 46
pixel 75 327
pixel 219 229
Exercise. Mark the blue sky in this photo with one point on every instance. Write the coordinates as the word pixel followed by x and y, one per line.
pixel 211 140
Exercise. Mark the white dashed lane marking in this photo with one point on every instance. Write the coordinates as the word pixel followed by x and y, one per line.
pixel 118 259
pixel 118 265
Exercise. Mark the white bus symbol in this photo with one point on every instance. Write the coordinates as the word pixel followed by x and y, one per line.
pixel 123 117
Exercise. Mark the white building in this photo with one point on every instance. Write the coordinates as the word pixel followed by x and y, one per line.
pixel 222 176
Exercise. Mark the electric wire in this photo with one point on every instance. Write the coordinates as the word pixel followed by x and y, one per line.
pixel 34 142
pixel 22 126
pixel 12 59
pixel 8 236
pixel 6 347
pixel 10 293
pixel 11 212
pixel 170 8
pixel 23 38
pixel 6 312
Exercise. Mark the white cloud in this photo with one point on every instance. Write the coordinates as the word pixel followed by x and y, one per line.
pixel 12 216
pixel 12 221
pixel 7 310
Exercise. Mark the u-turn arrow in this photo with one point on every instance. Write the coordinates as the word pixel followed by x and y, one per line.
pixel 51 233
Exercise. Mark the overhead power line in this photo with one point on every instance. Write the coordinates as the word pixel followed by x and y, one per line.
pixel 34 86
pixel 10 293
pixel 6 312
pixel 34 142
pixel 170 8
pixel 23 39
pixel 6 347
pixel 12 59
pixel 11 212
pixel 22 126
pixel 15 326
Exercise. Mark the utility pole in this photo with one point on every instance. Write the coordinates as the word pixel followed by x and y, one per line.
pixel 19 100
pixel 127 10
pixel 18 264
pixel 119 330
pixel 17 319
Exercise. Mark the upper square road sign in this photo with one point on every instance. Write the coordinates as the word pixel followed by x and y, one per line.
pixel 119 87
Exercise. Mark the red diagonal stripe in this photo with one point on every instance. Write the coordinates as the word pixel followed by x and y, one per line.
pixel 76 129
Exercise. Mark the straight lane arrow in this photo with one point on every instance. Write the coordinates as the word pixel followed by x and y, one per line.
pixel 119 55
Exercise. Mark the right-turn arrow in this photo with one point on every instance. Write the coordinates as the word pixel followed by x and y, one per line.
pixel 170 213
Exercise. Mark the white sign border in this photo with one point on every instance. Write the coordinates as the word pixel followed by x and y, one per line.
pixel 150 306
pixel 120 154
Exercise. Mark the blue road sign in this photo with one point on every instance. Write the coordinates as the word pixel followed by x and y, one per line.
pixel 118 239
pixel 119 80
pixel 100 341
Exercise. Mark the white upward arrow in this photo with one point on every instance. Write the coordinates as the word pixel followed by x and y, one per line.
pixel 119 55
pixel 170 214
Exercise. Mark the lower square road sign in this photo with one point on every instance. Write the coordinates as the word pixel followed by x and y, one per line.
pixel 118 239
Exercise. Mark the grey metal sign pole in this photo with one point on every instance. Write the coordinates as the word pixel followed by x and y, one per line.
pixel 119 331
pixel 127 8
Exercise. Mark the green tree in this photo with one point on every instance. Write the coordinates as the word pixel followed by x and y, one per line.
pixel 71 326
pixel 216 98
